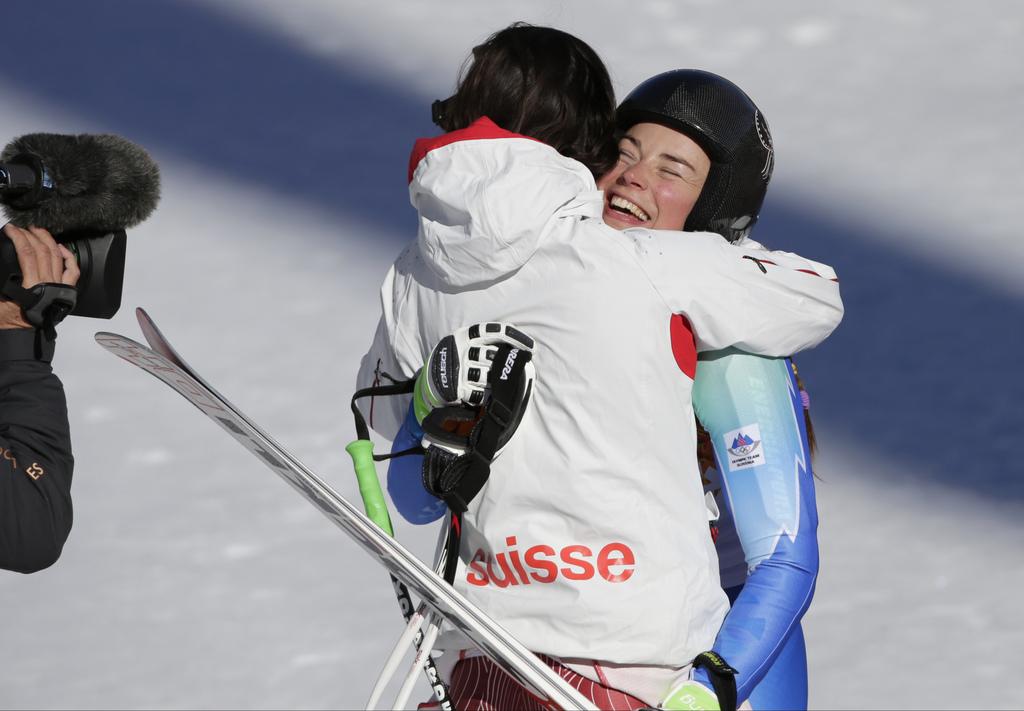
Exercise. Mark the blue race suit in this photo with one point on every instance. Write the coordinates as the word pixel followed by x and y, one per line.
pixel 405 478
pixel 752 409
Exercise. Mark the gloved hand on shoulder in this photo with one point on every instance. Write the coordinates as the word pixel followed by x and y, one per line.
pixel 457 369
pixel 470 398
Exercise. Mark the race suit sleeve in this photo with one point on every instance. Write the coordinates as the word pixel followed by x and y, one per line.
pixel 751 407
pixel 405 477
pixel 762 302
pixel 35 473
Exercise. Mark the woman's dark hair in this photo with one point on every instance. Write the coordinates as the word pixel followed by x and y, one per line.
pixel 542 83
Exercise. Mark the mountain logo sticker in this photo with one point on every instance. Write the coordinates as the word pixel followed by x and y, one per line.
pixel 744 447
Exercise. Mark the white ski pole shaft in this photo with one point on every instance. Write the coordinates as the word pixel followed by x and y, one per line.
pixel 404 642
pixel 377 511
pixel 422 656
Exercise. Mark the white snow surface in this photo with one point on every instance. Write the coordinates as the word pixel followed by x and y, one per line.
pixel 194 578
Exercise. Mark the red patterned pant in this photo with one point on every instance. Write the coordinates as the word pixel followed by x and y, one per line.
pixel 478 685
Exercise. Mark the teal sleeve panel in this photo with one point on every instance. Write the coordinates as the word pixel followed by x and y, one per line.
pixel 752 409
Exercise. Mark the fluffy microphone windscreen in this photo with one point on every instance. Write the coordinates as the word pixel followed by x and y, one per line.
pixel 100 182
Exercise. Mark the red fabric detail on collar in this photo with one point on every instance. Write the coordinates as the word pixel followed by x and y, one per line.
pixel 482 128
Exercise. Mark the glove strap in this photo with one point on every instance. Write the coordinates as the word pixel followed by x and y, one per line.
pixel 722 677
pixel 44 305
pixel 402 387
pixel 452 545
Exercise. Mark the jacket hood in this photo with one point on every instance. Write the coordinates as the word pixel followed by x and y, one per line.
pixel 487 199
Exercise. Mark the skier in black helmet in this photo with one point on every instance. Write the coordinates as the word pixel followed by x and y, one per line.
pixel 694 138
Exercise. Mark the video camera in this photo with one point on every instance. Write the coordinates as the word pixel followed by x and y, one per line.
pixel 86 190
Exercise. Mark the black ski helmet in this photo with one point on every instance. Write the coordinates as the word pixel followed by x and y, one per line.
pixel 728 126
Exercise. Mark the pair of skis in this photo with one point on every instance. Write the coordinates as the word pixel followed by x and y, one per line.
pixel 439 598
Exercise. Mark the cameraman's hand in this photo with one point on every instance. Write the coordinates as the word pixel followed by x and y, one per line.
pixel 42 260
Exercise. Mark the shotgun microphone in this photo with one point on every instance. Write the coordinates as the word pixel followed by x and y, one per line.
pixel 86 190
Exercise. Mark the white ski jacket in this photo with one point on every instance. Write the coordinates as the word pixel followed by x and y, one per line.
pixel 591 538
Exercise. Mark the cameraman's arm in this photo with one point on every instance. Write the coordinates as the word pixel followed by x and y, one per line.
pixel 35 443
pixel 36 464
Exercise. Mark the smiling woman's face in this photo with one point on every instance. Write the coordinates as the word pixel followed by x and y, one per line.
pixel 657 180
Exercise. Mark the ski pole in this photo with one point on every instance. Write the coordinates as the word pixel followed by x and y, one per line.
pixel 416 621
pixel 361 451
pixel 422 654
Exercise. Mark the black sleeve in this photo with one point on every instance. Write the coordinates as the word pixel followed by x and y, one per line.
pixel 35 454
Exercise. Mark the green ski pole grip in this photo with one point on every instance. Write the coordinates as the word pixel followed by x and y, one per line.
pixel 361 451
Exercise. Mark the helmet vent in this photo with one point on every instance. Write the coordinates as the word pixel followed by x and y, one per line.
pixel 765 136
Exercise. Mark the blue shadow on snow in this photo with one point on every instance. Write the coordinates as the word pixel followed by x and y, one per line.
pixel 178 77
pixel 920 371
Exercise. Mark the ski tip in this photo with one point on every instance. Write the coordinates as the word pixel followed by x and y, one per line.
pixel 152 334
pixel 105 338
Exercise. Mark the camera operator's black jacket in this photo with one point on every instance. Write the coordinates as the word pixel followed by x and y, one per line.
pixel 35 454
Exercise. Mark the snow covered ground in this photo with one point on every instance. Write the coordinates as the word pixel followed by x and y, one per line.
pixel 195 579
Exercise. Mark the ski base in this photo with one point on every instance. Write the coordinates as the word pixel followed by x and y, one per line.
pixel 163 362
